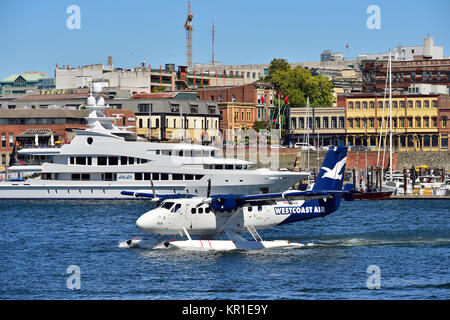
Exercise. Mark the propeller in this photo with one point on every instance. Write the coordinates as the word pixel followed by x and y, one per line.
pixel 155 198
pixel 208 199
pixel 208 192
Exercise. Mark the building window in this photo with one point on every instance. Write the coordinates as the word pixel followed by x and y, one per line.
pixel 365 105
pixel 426 122
pixel 194 109
pixel 350 123
pixel 350 105
pixel 358 105
pixel 372 105
pixel 418 104
pixel 402 104
pixel 11 140
pixel 358 122
pixel 418 122
pixel 3 140
pixel 434 140
pixel 294 123
pixel 426 104
pixel 444 141
pixel 301 123
pixel 394 104
pixel 434 103
pixel 144 107
pixel 410 104
pixel 317 124
pixel 325 122
pixel 426 140
pixel 380 104
pixel 333 122
pixel 402 122
pixel 372 122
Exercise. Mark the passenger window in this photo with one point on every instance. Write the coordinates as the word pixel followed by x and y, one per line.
pixel 207 210
pixel 176 208
pixel 200 210
pixel 250 209
pixel 259 208
pixel 193 210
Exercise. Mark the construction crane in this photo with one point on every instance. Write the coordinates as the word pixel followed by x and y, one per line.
pixel 188 27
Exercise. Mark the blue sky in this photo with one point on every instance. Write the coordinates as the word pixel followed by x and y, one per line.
pixel 34 35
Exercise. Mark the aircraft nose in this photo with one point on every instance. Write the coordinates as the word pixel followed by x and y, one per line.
pixel 145 222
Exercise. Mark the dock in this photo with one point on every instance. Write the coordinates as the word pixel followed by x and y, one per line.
pixel 420 197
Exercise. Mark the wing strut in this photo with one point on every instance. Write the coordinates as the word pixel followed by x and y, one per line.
pixel 254 233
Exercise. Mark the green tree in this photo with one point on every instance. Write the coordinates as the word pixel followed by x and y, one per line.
pixel 298 84
pixel 259 125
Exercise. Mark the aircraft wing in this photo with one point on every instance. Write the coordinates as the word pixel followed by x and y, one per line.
pixel 294 195
pixel 155 197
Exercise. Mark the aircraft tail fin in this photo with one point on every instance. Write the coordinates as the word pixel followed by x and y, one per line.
pixel 331 175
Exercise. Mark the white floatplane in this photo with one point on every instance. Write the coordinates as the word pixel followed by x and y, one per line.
pixel 208 217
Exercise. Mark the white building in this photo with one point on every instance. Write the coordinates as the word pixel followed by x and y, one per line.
pixel 407 53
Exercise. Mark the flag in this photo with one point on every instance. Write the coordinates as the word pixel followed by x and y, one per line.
pixel 279 94
pixel 286 100
pixel 262 99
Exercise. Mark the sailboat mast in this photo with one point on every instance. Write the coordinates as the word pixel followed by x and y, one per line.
pixel 390 116
pixel 307 127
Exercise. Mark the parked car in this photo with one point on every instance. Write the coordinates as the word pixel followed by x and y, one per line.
pixel 304 146
pixel 360 148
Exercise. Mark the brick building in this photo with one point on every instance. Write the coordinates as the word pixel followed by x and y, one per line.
pixel 240 106
pixel 46 122
pixel 404 73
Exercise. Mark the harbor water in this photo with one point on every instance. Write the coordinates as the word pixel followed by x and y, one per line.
pixel 400 246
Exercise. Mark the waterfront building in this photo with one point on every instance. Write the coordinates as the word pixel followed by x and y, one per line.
pixel 34 128
pixel 174 118
pixel 409 53
pixel 260 95
pixel 17 85
pixel 415 120
pixel 405 73
pixel 326 125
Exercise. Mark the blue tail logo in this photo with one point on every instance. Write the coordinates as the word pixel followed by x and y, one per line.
pixel 331 174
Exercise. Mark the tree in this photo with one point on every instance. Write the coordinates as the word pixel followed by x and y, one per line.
pixel 259 125
pixel 298 84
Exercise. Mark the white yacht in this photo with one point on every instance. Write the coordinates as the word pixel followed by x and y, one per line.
pixel 104 160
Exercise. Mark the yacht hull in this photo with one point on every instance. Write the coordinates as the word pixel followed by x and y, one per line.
pixel 40 189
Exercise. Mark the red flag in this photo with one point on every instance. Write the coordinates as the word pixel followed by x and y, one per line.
pixel 279 94
pixel 286 100
pixel 262 99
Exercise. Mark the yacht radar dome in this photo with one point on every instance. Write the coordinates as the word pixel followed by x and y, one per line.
pixel 91 101
pixel 96 88
pixel 100 101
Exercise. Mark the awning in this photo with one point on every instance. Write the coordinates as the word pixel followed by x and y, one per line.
pixel 31 133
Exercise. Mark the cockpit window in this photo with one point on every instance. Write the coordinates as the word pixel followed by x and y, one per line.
pixel 166 205
pixel 176 208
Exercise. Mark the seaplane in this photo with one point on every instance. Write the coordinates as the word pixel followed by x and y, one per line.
pixel 203 220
